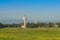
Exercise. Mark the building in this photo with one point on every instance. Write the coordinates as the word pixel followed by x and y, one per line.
pixel 24 22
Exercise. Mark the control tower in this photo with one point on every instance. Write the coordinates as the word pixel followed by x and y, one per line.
pixel 24 22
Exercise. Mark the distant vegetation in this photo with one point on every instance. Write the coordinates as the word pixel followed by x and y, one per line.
pixel 34 31
pixel 32 25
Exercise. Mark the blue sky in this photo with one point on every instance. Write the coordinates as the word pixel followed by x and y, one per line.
pixel 48 10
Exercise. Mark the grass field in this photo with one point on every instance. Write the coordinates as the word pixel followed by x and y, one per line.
pixel 30 34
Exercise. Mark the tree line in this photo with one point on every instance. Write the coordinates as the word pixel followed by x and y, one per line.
pixel 32 25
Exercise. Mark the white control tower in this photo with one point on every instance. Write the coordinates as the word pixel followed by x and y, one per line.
pixel 24 22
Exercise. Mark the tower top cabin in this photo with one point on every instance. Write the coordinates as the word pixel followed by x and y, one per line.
pixel 24 17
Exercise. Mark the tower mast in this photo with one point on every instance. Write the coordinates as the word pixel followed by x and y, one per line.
pixel 24 22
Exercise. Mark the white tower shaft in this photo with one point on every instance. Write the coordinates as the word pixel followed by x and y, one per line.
pixel 25 23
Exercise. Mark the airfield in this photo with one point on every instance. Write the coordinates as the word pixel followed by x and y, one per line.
pixel 30 34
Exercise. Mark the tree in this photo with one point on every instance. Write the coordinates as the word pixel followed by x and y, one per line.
pixel 50 24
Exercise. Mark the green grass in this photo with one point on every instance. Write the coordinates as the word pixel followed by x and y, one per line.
pixel 30 34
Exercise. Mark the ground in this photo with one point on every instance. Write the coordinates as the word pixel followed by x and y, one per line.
pixel 30 34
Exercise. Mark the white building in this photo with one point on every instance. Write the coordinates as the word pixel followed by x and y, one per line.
pixel 24 22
